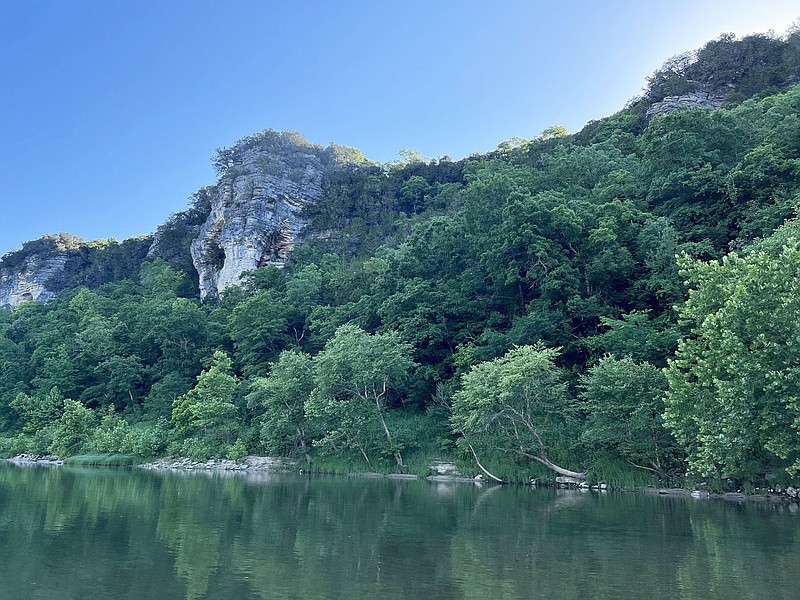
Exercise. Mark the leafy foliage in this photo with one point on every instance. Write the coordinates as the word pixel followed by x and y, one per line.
pixel 517 404
pixel 73 430
pixel 281 398
pixel 749 66
pixel 432 301
pixel 356 376
pixel 624 402
pixel 207 410
pixel 734 398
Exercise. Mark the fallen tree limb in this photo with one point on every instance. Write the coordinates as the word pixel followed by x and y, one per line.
pixel 554 467
pixel 481 467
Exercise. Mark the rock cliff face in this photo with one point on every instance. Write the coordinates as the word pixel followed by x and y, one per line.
pixel 29 279
pixel 44 267
pixel 252 217
pixel 256 206
pixel 692 100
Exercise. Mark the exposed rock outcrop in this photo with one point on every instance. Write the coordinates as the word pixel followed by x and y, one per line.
pixel 256 214
pixel 252 217
pixel 44 267
pixel 693 100
pixel 30 281
pixel 28 274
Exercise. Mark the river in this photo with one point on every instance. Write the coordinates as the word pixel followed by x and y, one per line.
pixel 85 533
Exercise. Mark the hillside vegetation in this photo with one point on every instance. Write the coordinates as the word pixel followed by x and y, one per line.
pixel 621 303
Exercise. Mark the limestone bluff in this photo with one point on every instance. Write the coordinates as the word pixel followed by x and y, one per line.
pixel 28 279
pixel 257 205
pixel 251 217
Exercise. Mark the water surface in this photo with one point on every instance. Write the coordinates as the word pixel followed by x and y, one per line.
pixel 71 533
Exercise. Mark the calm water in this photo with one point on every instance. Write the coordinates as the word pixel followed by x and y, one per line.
pixel 93 533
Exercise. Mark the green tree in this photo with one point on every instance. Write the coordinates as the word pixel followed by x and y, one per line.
pixel 637 336
pixel 282 396
pixel 207 410
pixel 177 330
pixel 159 279
pixel 624 401
pixel 74 430
pixel 163 393
pixel 39 411
pixel 552 132
pixel 303 294
pixel 258 328
pixel 356 376
pixel 734 397
pixel 122 378
pixel 413 193
pixel 518 405
pixel 39 415
pixel 112 433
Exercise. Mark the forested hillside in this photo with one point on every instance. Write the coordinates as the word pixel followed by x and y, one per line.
pixel 621 303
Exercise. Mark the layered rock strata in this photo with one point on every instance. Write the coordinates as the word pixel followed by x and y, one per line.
pixel 29 280
pixel 252 217
pixel 257 206
pixel 694 100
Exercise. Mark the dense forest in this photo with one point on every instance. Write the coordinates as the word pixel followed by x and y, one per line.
pixel 618 304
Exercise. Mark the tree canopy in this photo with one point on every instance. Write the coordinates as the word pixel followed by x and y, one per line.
pixel 516 308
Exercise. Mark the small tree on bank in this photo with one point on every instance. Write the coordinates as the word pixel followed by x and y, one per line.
pixel 282 396
pixel 207 410
pixel 516 404
pixel 356 373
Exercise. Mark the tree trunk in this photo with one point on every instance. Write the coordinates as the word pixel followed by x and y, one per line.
pixel 481 467
pixel 554 467
pixel 397 455
pixel 366 458
pixel 302 438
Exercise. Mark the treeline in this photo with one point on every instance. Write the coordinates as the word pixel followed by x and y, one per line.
pixel 523 309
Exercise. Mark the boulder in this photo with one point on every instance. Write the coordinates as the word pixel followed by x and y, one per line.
pixel 563 480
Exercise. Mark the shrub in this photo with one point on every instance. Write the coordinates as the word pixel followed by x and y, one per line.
pixel 237 450
pixel 196 449
pixel 74 430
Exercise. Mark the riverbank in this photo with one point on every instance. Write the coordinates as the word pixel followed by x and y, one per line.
pixel 439 472
pixel 442 471
pixel 790 494
pixel 248 463
pixel 33 459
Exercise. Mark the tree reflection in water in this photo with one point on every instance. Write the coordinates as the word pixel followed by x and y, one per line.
pixel 92 533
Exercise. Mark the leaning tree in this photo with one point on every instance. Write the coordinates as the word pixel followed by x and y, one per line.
pixel 518 405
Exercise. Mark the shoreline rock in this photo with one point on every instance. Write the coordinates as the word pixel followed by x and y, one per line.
pixel 248 463
pixel 705 495
pixel 453 479
pixel 34 459
pixel 442 473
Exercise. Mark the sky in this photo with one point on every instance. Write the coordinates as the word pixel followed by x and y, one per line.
pixel 111 110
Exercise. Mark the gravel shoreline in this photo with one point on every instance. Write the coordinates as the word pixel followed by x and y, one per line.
pixel 32 459
pixel 443 473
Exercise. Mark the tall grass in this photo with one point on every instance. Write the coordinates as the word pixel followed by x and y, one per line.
pixel 103 460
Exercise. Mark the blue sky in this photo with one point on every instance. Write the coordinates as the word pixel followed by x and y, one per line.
pixel 110 111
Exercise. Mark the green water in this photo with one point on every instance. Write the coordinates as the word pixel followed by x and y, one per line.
pixel 119 534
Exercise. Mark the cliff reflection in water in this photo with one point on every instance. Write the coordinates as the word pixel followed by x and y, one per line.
pixel 94 533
